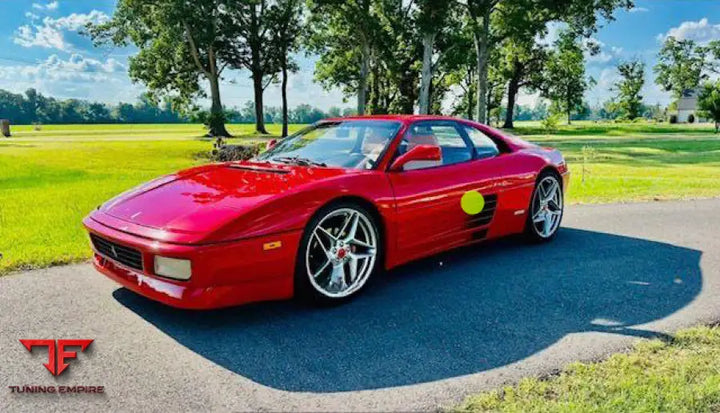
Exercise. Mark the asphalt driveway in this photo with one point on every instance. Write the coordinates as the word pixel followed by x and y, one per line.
pixel 420 338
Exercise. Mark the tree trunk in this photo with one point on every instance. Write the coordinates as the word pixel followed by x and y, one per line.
pixel 568 112
pixel 373 103
pixel 513 87
pixel 259 112
pixel 426 78
pixel 216 124
pixel 408 89
pixel 470 97
pixel 362 82
pixel 284 100
pixel 481 51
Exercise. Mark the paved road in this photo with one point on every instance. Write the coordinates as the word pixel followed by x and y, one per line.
pixel 422 338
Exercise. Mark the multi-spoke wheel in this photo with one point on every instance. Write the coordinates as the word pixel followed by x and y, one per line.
pixel 546 208
pixel 338 254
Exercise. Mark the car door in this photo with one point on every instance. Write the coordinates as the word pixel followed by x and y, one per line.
pixel 514 179
pixel 429 216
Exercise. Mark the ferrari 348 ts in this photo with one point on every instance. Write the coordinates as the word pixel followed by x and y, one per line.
pixel 323 211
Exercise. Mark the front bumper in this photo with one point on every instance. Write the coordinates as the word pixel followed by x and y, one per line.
pixel 223 275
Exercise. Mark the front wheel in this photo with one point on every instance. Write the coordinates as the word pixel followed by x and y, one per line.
pixel 546 209
pixel 339 252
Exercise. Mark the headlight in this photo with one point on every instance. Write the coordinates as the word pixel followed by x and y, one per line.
pixel 172 268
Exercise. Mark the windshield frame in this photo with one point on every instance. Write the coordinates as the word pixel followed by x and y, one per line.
pixel 399 126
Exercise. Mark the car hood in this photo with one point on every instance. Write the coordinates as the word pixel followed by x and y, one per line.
pixel 203 199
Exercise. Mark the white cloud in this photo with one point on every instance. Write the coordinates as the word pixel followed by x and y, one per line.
pixel 77 21
pixel 639 10
pixel 75 68
pixel 553 33
pixel 53 5
pixel 49 34
pixel 31 15
pixel 606 53
pixel 607 79
pixel 701 31
pixel 609 76
pixel 42 36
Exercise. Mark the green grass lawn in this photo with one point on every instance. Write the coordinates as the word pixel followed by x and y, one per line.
pixel 679 375
pixel 50 179
pixel 635 162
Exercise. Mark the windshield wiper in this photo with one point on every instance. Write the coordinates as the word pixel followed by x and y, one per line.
pixel 296 160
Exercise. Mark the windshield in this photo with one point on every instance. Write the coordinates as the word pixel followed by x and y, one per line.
pixel 354 144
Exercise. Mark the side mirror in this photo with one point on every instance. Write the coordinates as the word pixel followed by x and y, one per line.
pixel 270 144
pixel 431 153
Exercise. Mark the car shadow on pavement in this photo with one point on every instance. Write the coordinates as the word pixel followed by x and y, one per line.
pixel 458 313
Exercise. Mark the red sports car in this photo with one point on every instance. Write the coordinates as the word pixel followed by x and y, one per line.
pixel 321 212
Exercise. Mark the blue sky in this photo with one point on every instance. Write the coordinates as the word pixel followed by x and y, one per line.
pixel 40 47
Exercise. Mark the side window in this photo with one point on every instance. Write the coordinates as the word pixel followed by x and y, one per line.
pixel 484 145
pixel 443 134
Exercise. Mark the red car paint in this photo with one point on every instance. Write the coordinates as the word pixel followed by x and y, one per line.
pixel 223 216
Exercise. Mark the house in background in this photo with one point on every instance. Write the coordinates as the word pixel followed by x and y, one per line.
pixel 687 107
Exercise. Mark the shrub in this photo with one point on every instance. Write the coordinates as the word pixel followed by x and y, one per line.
pixel 673 119
pixel 222 152
pixel 551 122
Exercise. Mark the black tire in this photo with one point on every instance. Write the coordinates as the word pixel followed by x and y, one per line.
pixel 305 290
pixel 532 233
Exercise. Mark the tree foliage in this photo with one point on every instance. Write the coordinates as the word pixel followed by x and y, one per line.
pixel 629 100
pixel 343 33
pixel 709 102
pixel 684 64
pixel 286 19
pixel 257 23
pixel 35 108
pixel 431 19
pixel 495 20
pixel 565 82
pixel 180 43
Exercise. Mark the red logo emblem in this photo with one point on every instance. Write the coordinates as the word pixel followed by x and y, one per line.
pixel 59 349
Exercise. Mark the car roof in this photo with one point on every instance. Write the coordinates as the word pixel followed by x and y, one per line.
pixel 401 118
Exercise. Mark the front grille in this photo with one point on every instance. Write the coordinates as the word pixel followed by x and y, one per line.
pixel 486 215
pixel 126 256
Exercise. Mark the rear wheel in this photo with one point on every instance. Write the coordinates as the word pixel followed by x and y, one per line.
pixel 339 253
pixel 546 209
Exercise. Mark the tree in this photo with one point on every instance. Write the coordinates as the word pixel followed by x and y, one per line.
pixel 285 18
pixel 97 113
pixel 179 44
pixel 521 64
pixel 342 32
pixel 495 20
pixel 432 15
pixel 461 69
pixel 258 50
pixel 629 100
pixel 709 102
pixel 681 65
pixel 395 65
pixel 565 82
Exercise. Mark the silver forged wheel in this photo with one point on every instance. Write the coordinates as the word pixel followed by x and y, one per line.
pixel 547 207
pixel 341 252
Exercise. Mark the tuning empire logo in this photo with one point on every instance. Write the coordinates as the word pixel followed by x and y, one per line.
pixel 58 355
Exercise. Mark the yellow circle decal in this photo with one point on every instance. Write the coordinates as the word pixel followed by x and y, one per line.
pixel 472 202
